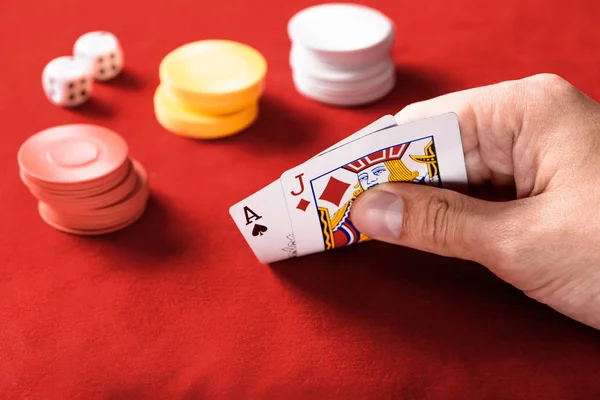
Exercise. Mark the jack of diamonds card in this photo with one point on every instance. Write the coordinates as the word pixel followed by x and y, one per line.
pixel 320 193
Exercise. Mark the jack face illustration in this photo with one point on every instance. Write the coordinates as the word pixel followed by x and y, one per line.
pixel 408 162
pixel 372 176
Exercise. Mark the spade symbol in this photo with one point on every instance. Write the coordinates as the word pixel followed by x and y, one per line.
pixel 259 230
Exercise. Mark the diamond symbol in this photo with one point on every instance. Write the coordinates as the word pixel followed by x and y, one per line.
pixel 303 205
pixel 334 191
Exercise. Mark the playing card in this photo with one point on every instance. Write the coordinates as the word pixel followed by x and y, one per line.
pixel 263 217
pixel 320 192
pixel 263 221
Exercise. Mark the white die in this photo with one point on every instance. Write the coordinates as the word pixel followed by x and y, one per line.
pixel 67 81
pixel 103 51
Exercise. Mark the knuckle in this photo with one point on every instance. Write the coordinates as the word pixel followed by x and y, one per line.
pixel 543 93
pixel 435 226
pixel 551 86
pixel 547 79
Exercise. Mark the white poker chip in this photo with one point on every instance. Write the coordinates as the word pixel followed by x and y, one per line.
pixel 358 89
pixel 348 101
pixel 339 27
pixel 303 62
pixel 309 89
pixel 346 60
pixel 341 54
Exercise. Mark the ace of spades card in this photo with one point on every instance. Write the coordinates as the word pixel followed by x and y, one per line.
pixel 263 220
pixel 320 193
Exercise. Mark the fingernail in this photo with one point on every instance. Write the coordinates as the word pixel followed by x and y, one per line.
pixel 379 215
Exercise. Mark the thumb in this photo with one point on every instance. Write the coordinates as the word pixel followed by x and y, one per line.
pixel 430 219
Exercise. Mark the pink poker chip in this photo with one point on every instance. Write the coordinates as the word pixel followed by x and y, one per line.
pixel 74 192
pixel 72 154
pixel 105 219
pixel 89 232
pixel 83 189
pixel 84 180
pixel 73 204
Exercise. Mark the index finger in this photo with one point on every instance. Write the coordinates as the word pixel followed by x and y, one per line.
pixel 490 117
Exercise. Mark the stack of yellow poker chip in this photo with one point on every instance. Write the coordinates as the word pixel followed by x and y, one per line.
pixel 210 89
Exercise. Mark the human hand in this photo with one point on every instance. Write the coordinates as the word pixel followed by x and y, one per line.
pixel 540 135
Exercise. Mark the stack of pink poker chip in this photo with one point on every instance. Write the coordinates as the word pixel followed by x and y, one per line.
pixel 84 179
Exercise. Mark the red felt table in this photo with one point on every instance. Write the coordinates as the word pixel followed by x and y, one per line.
pixel 177 307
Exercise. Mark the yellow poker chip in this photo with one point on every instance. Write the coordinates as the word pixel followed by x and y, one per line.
pixel 178 119
pixel 213 107
pixel 215 76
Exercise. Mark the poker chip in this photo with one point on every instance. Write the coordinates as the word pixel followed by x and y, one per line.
pixel 341 54
pixel 214 76
pixel 210 89
pixel 72 154
pixel 178 119
pixel 303 63
pixel 83 178
pixel 305 88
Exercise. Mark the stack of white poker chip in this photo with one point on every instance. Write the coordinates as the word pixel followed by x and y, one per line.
pixel 341 54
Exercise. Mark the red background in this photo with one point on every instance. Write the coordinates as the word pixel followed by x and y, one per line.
pixel 177 307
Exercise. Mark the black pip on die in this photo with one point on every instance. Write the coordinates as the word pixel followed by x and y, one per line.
pixel 103 51
pixel 67 81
